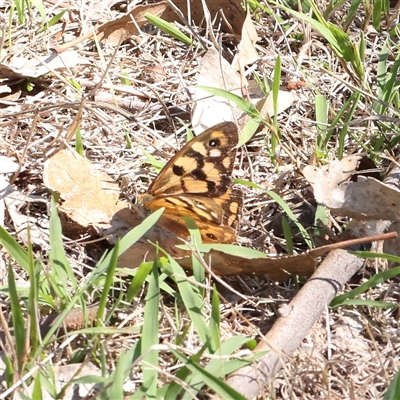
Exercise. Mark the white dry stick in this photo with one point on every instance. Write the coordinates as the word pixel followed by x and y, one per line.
pixel 300 315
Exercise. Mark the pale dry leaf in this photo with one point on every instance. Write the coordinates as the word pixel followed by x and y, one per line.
pixel 90 196
pixel 4 89
pixel 285 100
pixel 266 107
pixel 247 53
pixel 210 110
pixel 7 165
pixel 12 97
pixel 21 68
pixel 335 173
pixel 63 375
pixel 28 228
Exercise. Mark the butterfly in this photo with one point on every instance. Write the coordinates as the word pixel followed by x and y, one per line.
pixel 196 183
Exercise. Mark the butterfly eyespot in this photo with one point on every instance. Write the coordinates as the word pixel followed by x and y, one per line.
pixel 214 142
pixel 211 236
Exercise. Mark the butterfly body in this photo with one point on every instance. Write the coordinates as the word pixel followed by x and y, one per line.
pixel 196 183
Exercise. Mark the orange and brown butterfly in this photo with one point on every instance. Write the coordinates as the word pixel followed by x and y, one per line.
pixel 196 182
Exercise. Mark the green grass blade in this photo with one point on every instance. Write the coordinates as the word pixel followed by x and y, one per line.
pixel 9 371
pixel 37 388
pixel 195 237
pixel 108 283
pixel 367 303
pixel 53 20
pixel 168 28
pixel 193 303
pixel 321 221
pixel 243 104
pixel 392 393
pixel 33 301
pixel 17 252
pixel 372 282
pixel 290 214
pixel 287 233
pixel 214 383
pixel 61 270
pixel 130 238
pixel 215 320
pixel 248 131
pixel 78 143
pixel 351 14
pixel 117 378
pixel 377 14
pixel 150 334
pixel 321 117
pixel 138 280
pixel 18 320
pixel 157 164
pixel 276 84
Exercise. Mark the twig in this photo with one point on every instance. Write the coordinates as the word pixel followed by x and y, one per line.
pixel 301 314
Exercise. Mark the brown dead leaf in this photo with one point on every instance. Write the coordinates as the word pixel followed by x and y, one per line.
pixel 120 28
pixel 91 206
pixel 129 23
pixel 231 9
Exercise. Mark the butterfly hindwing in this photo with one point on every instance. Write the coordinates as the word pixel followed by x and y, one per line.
pixel 210 233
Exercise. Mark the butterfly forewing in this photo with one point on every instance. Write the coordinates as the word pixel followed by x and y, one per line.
pixel 203 166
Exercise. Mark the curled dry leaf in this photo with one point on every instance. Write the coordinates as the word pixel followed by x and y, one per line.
pixel 28 228
pixel 121 28
pixel 367 198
